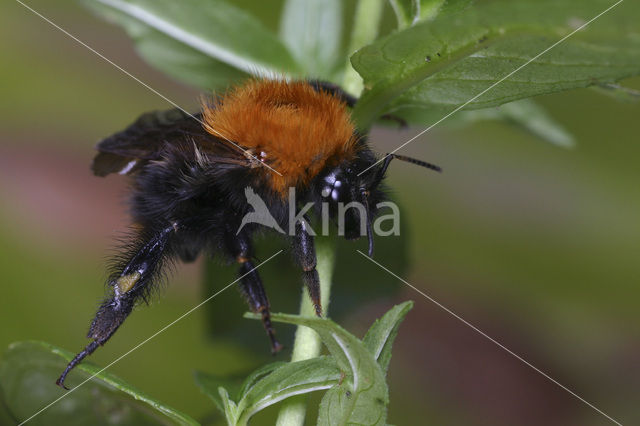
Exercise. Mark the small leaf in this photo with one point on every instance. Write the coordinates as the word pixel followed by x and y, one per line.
pixel 379 339
pixel 410 12
pixel 269 385
pixel 258 374
pixel 428 9
pixel 209 385
pixel 524 114
pixel 618 92
pixel 533 118
pixel 361 397
pixel 444 63
pixel 211 29
pixel 405 12
pixel 27 378
pixel 230 408
pixel 288 380
pixel 312 30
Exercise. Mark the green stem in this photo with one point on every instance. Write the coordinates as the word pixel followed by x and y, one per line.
pixel 307 343
pixel 365 30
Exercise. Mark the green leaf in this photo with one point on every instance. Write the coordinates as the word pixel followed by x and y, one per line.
pixel 258 374
pixel 230 408
pixel 223 390
pixel 379 339
pixel 27 378
pixel 440 65
pixel 185 63
pixel 453 6
pixel 295 378
pixel 524 114
pixel 199 35
pixel 312 30
pixel 353 375
pixel 270 385
pixel 209 385
pixel 619 93
pixel 428 9
pixel 361 397
pixel 529 116
pixel 364 30
pixel 410 12
pixel 404 11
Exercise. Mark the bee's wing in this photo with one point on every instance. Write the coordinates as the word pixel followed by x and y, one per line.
pixel 145 140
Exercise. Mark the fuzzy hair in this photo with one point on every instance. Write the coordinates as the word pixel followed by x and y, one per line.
pixel 291 126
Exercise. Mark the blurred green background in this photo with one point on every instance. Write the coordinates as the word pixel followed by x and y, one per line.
pixel 536 245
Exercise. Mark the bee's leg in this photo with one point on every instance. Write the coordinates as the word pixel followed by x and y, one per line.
pixel 132 281
pixel 305 253
pixel 251 286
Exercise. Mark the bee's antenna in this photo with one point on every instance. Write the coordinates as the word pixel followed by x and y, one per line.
pixel 415 161
pixel 387 159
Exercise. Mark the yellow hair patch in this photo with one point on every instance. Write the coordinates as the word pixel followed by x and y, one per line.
pixel 126 282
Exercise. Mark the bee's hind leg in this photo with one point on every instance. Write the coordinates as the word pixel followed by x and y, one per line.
pixel 132 280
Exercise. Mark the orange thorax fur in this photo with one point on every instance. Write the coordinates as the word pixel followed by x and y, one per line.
pixel 289 125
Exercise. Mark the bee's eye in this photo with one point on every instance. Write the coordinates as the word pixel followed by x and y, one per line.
pixel 334 191
pixel 334 187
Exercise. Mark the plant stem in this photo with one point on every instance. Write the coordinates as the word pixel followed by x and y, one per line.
pixel 307 343
pixel 365 30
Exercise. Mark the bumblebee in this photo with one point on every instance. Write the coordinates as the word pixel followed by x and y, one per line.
pixel 189 173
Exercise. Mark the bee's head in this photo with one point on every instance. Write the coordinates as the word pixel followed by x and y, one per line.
pixel 353 191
